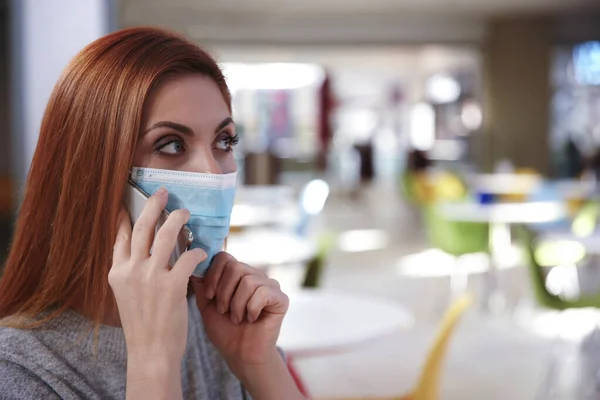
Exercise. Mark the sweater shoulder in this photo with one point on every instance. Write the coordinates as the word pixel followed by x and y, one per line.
pixel 19 373
pixel 17 382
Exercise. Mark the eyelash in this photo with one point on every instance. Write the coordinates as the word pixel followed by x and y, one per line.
pixel 232 141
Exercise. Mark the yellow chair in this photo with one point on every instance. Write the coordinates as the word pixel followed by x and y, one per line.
pixel 520 197
pixel 429 382
pixel 428 188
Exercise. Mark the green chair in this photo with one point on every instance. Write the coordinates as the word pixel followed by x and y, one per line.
pixel 538 277
pixel 452 237
pixel 586 220
pixel 455 237
pixel 315 267
pixel 551 252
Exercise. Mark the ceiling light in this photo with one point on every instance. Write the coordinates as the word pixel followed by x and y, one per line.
pixel 442 89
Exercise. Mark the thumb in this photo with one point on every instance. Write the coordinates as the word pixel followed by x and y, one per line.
pixel 199 292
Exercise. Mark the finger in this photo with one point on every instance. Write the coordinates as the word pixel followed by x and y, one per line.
pixel 166 237
pixel 246 288
pixel 143 229
pixel 267 299
pixel 187 263
pixel 122 247
pixel 214 273
pixel 233 273
pixel 274 283
pixel 199 287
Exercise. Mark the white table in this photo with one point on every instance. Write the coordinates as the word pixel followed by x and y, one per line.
pixel 504 213
pixel 504 183
pixel 265 194
pixel 269 248
pixel 575 189
pixel 253 215
pixel 500 216
pixel 320 322
pixel 261 205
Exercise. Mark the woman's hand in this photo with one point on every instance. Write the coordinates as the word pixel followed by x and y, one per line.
pixel 151 298
pixel 242 310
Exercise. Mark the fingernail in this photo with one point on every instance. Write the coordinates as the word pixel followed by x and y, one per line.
pixel 209 294
pixel 221 309
pixel 199 251
pixel 160 191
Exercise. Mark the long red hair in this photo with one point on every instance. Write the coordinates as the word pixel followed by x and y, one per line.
pixel 63 241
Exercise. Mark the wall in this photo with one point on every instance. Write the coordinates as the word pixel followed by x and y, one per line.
pixel 5 142
pixel 517 58
pixel 577 28
pixel 46 35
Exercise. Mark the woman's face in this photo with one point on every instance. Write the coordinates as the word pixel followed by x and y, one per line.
pixel 187 127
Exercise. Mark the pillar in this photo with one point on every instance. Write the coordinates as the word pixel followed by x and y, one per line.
pixel 517 59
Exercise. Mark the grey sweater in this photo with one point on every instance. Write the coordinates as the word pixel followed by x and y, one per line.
pixel 58 361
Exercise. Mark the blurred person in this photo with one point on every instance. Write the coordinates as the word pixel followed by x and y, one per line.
pixel 364 144
pixel 418 161
pixel 89 306
pixel 327 105
pixel 574 160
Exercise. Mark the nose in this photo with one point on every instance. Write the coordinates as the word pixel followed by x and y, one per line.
pixel 205 162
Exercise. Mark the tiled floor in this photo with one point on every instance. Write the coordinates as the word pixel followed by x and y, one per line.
pixel 516 354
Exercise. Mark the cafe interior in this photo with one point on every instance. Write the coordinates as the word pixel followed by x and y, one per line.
pixel 421 177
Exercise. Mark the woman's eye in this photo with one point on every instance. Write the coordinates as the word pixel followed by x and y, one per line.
pixel 226 142
pixel 172 147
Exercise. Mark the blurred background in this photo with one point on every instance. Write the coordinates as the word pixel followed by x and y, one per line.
pixel 395 155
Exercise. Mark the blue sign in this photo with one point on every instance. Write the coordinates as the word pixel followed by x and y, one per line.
pixel 586 63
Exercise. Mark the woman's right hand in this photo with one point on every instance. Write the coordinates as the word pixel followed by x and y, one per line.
pixel 151 298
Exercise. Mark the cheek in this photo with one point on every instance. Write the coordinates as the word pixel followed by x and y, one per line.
pixel 227 163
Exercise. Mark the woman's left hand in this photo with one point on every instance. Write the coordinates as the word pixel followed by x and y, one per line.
pixel 242 309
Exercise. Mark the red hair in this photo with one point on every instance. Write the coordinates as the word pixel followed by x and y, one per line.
pixel 62 247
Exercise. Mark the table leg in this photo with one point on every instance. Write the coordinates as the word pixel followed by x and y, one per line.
pixel 500 244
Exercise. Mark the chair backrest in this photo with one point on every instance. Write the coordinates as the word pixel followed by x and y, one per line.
pixel 314 269
pixel 586 220
pixel 536 272
pixel 455 237
pixel 538 278
pixel 428 385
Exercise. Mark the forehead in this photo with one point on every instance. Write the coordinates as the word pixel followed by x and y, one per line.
pixel 191 99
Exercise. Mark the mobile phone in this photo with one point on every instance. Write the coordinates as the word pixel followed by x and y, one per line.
pixel 136 199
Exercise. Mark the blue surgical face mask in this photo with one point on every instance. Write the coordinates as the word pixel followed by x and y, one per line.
pixel 209 197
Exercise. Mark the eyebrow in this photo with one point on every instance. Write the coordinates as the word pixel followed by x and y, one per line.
pixel 223 124
pixel 184 129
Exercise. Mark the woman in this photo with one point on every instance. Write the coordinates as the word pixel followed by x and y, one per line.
pixel 148 99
